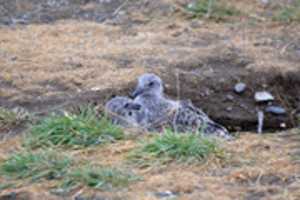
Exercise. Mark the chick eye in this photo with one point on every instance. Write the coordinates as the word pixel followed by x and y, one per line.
pixel 130 113
pixel 151 84
pixel 126 105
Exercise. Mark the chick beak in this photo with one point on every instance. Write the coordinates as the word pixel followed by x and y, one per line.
pixel 136 92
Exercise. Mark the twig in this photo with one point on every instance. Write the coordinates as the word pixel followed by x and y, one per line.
pixel 178 99
pixel 260 119
pixel 283 49
pixel 116 12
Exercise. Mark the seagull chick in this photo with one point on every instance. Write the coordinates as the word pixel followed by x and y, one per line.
pixel 182 116
pixel 124 112
pixel 149 94
pixel 189 118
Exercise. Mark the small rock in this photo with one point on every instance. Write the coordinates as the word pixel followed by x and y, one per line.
pixel 263 96
pixel 229 109
pixel 176 34
pixel 244 106
pixel 16 196
pixel 10 196
pixel 14 58
pixel 207 92
pixel 166 194
pixel 240 88
pixel 277 110
pixel 265 2
pixel 95 88
pixel 196 23
pixel 229 97
pixel 282 125
pixel 93 197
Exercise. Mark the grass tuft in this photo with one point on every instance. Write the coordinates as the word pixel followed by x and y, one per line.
pixel 211 9
pixel 289 12
pixel 41 165
pixel 9 118
pixel 175 147
pixel 97 177
pixel 49 165
pixel 76 130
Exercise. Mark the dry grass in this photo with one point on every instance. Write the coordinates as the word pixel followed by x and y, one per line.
pixel 254 164
pixel 87 55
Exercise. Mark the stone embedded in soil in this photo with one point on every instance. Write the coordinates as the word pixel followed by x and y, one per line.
pixel 196 23
pixel 229 109
pixel 263 96
pixel 240 88
pixel 96 88
pixel 282 125
pixel 277 110
pixel 16 196
pixel 229 97
pixel 265 2
pixel 167 194
pixel 93 197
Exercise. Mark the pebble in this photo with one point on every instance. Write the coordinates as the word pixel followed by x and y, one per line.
pixel 12 195
pixel 90 198
pixel 166 194
pixel 229 97
pixel 263 96
pixel 14 58
pixel 282 125
pixel 16 196
pixel 95 88
pixel 240 88
pixel 229 109
pixel 277 110
pixel 196 23
pixel 265 2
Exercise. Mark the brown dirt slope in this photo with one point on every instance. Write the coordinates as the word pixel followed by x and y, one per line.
pixel 43 65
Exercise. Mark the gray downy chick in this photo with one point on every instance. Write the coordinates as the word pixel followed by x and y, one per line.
pixel 124 112
pixel 182 116
pixel 149 94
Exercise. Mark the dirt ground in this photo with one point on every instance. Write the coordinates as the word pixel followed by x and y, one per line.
pixel 72 52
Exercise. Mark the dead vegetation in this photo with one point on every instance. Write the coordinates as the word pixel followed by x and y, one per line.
pixel 44 65
pixel 253 165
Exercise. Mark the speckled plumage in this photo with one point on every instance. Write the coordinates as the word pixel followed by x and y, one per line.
pixel 124 112
pixel 182 116
pixel 188 118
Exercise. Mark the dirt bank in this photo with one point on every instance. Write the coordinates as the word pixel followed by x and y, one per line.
pixel 47 66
